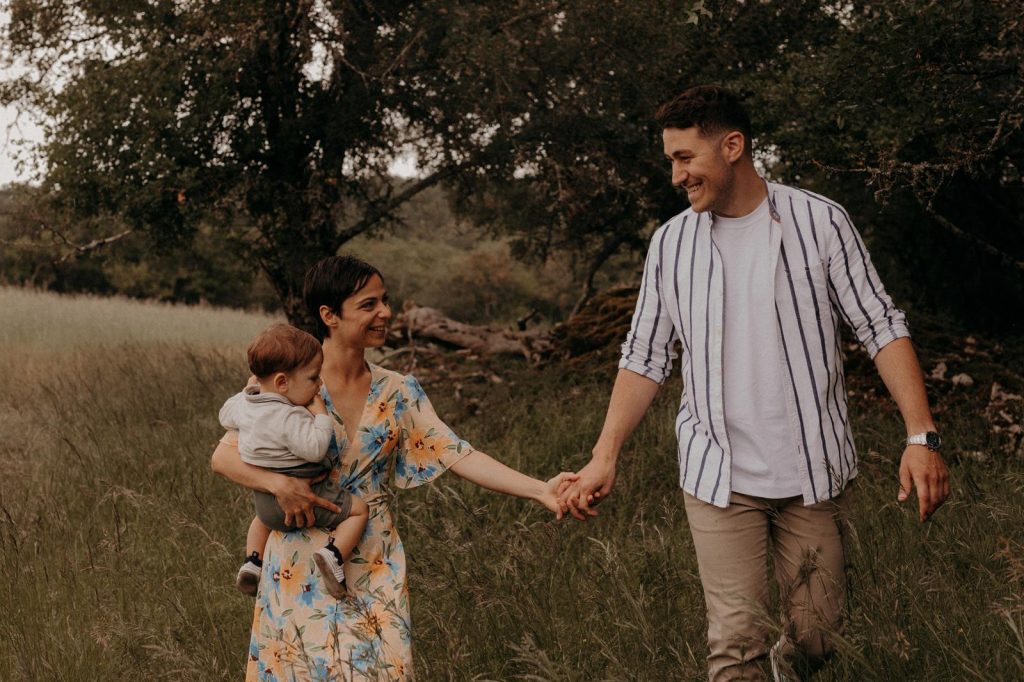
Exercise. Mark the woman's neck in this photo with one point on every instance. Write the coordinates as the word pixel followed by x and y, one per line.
pixel 343 363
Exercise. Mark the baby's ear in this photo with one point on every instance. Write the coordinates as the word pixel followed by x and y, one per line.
pixel 280 381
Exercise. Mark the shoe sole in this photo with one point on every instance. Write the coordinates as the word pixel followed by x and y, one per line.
pixel 248 583
pixel 333 587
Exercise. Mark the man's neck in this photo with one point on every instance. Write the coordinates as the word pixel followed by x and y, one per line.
pixel 749 190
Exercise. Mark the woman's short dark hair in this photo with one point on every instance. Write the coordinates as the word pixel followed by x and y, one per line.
pixel 712 109
pixel 330 281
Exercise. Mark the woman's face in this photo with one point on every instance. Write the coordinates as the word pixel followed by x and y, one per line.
pixel 365 315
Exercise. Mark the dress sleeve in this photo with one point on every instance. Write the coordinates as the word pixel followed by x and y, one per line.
pixel 426 446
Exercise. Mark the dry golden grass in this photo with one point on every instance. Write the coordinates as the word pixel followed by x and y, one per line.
pixel 119 546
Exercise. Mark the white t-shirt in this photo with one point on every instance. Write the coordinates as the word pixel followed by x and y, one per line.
pixel 764 455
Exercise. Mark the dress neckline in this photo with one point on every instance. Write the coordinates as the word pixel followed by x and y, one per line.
pixel 326 395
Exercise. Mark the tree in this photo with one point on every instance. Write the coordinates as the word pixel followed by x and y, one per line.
pixel 570 91
pixel 275 122
pixel 914 113
pixel 909 112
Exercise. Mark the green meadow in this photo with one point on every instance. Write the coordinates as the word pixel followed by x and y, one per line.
pixel 119 546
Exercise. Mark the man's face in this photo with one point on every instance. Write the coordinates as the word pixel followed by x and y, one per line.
pixel 700 166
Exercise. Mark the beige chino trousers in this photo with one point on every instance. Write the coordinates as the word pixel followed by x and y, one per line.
pixel 808 552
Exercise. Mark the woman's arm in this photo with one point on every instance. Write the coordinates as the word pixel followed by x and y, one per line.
pixel 293 494
pixel 485 471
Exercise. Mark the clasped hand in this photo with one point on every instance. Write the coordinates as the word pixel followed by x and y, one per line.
pixel 593 484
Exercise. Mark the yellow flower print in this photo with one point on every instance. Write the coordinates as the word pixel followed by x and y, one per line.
pixel 381 409
pixel 371 619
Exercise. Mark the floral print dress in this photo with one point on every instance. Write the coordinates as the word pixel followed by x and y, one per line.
pixel 301 633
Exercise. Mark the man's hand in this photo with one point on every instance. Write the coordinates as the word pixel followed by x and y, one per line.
pixel 297 500
pixel 594 484
pixel 924 469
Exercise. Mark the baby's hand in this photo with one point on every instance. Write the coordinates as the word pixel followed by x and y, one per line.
pixel 316 405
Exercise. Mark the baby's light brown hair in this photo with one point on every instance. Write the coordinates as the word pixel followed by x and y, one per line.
pixel 282 348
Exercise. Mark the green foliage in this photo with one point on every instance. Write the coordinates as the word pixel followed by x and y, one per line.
pixel 570 91
pixel 38 254
pixel 917 106
pixel 275 123
pixel 910 113
pixel 273 127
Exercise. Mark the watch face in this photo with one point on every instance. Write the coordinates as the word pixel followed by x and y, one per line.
pixel 932 440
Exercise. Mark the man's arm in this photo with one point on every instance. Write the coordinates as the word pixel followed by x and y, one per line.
pixel 920 467
pixel 631 396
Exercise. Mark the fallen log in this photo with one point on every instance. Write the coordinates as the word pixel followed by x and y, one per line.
pixel 422 322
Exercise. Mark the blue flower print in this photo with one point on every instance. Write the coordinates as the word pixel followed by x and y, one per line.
pixel 320 671
pixel 364 655
pixel 401 405
pixel 414 390
pixel 375 389
pixel 310 592
pixel 271 578
pixel 374 437
pixel 254 648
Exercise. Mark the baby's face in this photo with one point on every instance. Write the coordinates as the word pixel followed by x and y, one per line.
pixel 304 383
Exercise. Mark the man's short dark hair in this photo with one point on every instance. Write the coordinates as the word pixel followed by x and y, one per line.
pixel 712 109
pixel 330 281
pixel 282 348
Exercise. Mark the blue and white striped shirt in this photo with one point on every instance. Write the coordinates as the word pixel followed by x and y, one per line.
pixel 822 273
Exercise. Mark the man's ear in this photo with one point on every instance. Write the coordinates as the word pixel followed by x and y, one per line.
pixel 280 382
pixel 734 144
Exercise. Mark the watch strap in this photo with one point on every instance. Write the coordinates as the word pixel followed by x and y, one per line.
pixel 929 439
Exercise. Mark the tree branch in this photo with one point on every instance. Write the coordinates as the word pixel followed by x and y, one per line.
pixel 1004 258
pixel 379 211
pixel 80 249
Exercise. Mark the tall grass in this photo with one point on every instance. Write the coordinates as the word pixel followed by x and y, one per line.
pixel 119 546
pixel 31 320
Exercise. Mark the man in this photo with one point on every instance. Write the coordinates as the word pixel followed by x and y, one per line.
pixel 753 280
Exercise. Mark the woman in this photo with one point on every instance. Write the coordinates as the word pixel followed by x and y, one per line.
pixel 384 427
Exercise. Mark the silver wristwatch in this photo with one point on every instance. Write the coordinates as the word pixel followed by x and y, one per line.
pixel 929 439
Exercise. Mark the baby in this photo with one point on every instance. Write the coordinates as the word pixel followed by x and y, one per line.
pixel 283 425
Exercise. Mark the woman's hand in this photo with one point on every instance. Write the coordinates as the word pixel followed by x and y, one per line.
pixel 297 500
pixel 295 495
pixel 553 491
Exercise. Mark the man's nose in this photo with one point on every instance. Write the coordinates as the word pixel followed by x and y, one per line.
pixel 679 176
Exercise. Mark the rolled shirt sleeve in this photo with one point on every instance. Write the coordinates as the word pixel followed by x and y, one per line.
pixel 650 345
pixel 857 290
